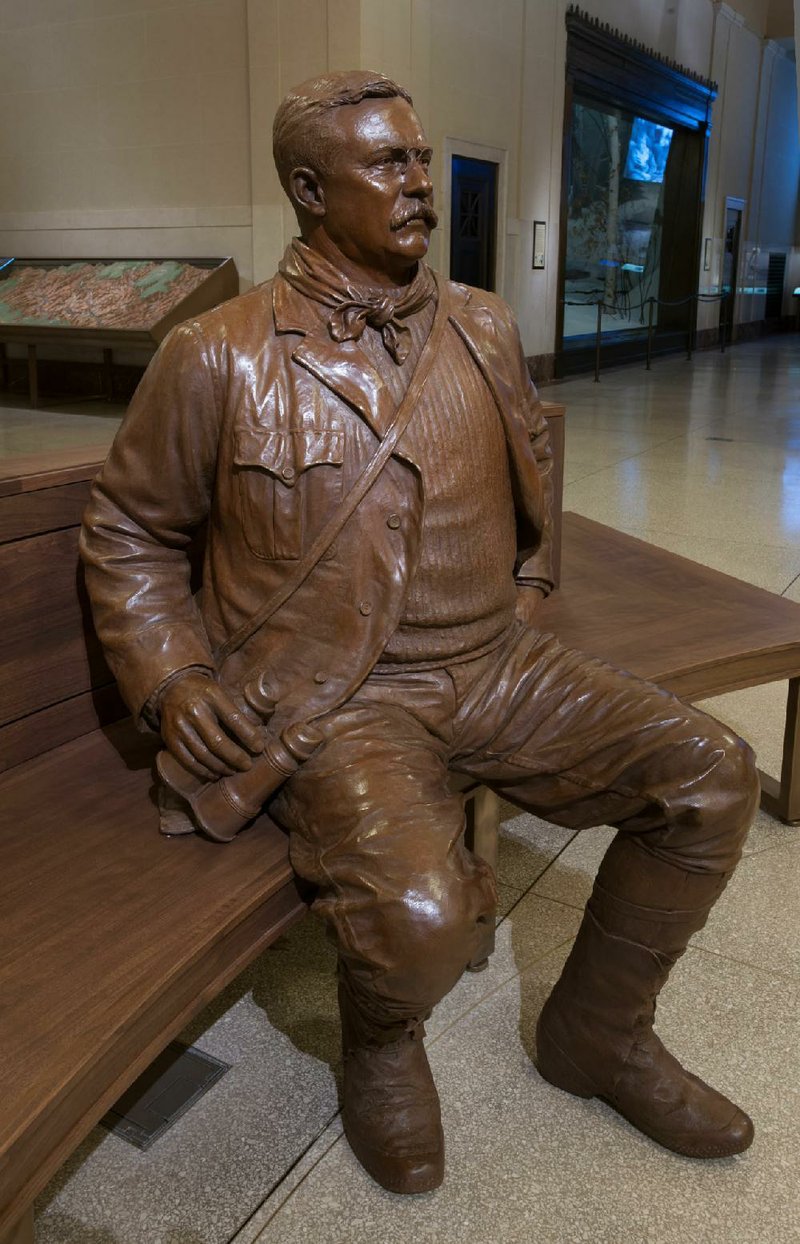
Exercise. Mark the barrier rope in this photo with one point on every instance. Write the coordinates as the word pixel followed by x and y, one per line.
pixel 601 305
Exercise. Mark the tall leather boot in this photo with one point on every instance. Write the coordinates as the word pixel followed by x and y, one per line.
pixel 391 1109
pixel 595 1034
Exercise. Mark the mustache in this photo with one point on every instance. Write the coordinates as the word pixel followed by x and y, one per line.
pixel 414 211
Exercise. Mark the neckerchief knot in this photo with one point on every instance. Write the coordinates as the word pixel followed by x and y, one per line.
pixel 354 309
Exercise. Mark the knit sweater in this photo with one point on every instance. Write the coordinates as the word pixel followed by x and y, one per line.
pixel 462 596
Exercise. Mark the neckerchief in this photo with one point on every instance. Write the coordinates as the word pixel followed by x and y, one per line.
pixel 353 309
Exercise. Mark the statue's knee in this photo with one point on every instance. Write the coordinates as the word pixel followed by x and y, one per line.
pixel 737 779
pixel 729 797
pixel 442 923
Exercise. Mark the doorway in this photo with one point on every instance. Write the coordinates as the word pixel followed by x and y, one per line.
pixel 473 221
pixel 734 209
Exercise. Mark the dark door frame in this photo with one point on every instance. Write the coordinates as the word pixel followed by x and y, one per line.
pixel 475 151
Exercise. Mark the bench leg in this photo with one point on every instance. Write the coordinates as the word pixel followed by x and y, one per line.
pixel 108 375
pixel 782 799
pixel 483 825
pixel 33 376
pixel 22 1233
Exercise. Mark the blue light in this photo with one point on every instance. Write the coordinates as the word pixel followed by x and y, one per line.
pixel 647 151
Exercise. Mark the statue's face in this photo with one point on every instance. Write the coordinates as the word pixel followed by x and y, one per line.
pixel 378 199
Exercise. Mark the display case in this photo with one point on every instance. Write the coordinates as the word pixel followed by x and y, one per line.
pixel 108 303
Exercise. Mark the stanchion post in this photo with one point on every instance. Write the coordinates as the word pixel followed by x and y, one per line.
pixel 597 342
pixel 649 332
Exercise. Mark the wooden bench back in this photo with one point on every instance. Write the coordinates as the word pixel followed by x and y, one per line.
pixel 54 682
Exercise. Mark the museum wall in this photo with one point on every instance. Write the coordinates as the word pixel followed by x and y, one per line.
pixel 124 129
pixel 146 131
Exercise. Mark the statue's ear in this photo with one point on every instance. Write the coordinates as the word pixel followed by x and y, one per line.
pixel 306 191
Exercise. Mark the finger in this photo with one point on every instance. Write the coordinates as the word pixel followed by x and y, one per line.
pixel 218 742
pixel 187 760
pixel 202 753
pixel 242 725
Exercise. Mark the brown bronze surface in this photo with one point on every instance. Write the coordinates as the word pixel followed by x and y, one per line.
pixel 412 643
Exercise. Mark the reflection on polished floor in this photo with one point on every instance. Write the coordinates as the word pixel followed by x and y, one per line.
pixel 704 459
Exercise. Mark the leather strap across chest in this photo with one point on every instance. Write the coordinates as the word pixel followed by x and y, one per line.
pixel 360 488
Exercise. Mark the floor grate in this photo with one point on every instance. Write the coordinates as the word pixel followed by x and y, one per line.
pixel 163 1093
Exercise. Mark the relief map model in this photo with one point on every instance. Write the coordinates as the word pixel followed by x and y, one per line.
pixel 123 293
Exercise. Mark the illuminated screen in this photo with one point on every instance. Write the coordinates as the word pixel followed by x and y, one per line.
pixel 647 151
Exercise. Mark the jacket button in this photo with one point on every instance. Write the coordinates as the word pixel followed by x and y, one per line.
pixel 320 678
pixel 288 473
pixel 393 521
pixel 365 607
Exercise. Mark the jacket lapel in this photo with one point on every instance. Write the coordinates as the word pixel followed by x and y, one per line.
pixel 475 325
pixel 341 366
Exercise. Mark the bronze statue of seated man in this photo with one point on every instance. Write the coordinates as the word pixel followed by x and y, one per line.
pixel 365 446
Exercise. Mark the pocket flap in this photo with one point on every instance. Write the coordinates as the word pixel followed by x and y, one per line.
pixel 289 451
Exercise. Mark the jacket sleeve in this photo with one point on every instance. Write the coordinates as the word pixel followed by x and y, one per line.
pixel 152 494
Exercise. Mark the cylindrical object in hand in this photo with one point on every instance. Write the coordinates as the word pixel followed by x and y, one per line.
pixel 221 808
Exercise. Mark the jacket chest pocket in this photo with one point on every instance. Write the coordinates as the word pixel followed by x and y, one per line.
pixel 289 482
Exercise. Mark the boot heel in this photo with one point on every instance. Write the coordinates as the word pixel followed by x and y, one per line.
pixel 557 1068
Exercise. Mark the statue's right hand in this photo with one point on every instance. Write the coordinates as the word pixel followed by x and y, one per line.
pixel 205 730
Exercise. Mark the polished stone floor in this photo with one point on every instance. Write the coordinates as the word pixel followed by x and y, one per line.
pixel 704 459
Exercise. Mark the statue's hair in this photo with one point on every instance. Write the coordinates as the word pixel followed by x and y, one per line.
pixel 301 137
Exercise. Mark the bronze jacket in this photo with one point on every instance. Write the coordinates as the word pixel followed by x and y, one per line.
pixel 253 421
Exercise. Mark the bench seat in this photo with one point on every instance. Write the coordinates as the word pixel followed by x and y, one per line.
pixel 693 630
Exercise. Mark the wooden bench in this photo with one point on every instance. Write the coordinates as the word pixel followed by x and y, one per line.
pixel 112 937
pixel 688 628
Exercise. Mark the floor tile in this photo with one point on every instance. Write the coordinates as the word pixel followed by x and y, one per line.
pixel 569 880
pixel 792 592
pixel 527 846
pixel 757 919
pixel 715 457
pixel 571 877
pixel 758 714
pixel 534 927
pixel 628 494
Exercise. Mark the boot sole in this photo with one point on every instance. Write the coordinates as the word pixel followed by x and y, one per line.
pixel 555 1066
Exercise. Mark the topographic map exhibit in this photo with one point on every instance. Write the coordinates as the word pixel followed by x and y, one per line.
pixel 132 294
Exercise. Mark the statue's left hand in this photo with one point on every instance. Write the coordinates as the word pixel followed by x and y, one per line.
pixel 205 730
pixel 528 601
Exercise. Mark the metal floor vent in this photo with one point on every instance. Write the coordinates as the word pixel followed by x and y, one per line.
pixel 166 1090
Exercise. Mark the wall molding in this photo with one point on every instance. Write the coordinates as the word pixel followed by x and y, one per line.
pixel 81 220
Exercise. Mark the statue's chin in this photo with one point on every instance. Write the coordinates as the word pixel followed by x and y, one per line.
pixel 412 240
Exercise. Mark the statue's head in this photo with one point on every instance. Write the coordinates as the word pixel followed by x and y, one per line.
pixel 353 159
